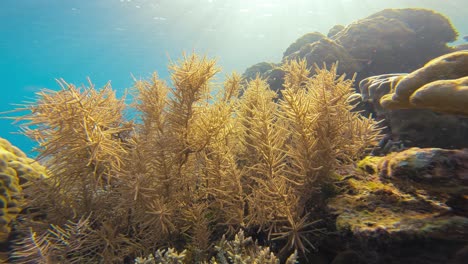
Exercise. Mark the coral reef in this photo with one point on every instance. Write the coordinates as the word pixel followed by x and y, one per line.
pixel 191 167
pixel 392 40
pixel 373 88
pixel 264 169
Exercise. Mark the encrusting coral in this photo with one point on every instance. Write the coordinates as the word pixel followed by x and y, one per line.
pixel 194 165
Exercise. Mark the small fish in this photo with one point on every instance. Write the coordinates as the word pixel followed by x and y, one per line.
pixel 465 38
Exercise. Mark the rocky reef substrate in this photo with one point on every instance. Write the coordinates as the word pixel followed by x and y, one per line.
pixel 392 40
pixel 406 207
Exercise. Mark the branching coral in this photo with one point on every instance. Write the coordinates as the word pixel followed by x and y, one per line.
pixel 241 250
pixel 193 166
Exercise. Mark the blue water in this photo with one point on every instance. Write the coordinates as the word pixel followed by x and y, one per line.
pixel 41 40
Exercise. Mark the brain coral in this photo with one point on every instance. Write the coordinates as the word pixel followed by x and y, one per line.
pixel 15 170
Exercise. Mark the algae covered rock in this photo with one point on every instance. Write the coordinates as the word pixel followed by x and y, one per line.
pixel 397 40
pixel 334 30
pixel 433 169
pixel 273 74
pixel 392 40
pixel 275 79
pixel 375 41
pixel 406 196
pixel 424 22
pixel 15 170
pixel 426 128
pixel 326 51
pixel 302 41
pixel 257 69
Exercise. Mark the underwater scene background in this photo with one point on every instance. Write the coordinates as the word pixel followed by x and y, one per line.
pixel 111 40
pixel 234 132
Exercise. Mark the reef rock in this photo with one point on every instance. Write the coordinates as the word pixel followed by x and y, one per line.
pixel 433 169
pixel 392 40
pixel 425 23
pixel 426 128
pixel 258 69
pixel 397 40
pixel 326 51
pixel 334 30
pixel 406 199
pixel 376 43
pixel 275 79
pixel 273 74
pixel 302 41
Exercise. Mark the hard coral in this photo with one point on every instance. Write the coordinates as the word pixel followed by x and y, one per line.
pixel 431 101
pixel 449 96
pixel 15 170
pixel 413 89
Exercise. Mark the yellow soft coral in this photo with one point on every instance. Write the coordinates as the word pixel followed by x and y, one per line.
pixel 15 169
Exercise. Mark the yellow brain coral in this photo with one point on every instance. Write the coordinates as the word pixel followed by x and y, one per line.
pixel 15 170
